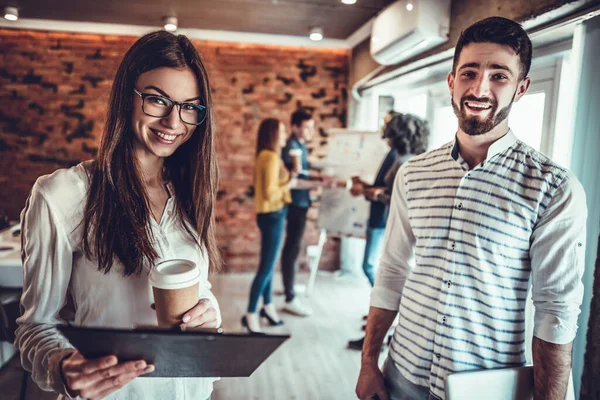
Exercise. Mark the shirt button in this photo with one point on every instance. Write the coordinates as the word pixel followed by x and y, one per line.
pixel 459 206
pixel 444 320
pixel 579 244
pixel 438 355
pixel 169 213
pixel 449 283
pixel 453 245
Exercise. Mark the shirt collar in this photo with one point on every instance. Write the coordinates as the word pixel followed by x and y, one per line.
pixel 293 138
pixel 405 157
pixel 497 147
pixel 170 189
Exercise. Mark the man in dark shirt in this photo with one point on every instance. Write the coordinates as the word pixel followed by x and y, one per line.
pixel 377 218
pixel 302 129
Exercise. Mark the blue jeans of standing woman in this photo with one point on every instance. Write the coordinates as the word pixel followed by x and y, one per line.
pixel 271 227
pixel 373 248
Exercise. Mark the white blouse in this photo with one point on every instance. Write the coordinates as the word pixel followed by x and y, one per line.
pixel 58 278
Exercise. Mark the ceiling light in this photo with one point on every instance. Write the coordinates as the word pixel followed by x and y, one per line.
pixel 409 6
pixel 11 13
pixel 348 1
pixel 316 33
pixel 170 24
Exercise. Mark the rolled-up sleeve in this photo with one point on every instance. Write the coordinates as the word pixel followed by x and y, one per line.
pixel 47 263
pixel 557 255
pixel 398 257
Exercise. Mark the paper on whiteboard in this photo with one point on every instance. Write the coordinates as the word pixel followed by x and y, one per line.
pixel 342 214
pixel 350 153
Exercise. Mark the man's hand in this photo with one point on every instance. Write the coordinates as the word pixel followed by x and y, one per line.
pixel 370 383
pixel 97 378
pixel 203 315
pixel 370 379
pixel 357 189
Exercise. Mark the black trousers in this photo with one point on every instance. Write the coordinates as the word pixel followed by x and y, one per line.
pixel 296 223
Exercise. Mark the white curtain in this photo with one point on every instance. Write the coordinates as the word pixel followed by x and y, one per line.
pixel 586 165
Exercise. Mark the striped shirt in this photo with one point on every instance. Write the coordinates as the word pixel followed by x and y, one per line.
pixel 461 247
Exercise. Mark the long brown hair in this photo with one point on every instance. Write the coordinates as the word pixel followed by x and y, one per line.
pixel 117 212
pixel 268 135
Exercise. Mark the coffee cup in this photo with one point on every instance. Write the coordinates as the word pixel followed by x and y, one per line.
pixel 296 157
pixel 175 285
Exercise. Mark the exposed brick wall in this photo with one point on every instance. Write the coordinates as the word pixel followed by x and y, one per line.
pixel 54 89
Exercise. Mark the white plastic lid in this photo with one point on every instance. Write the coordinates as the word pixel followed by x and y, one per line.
pixel 174 274
pixel 295 152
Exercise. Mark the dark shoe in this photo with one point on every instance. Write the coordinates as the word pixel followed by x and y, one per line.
pixel 356 344
pixel 272 322
pixel 245 325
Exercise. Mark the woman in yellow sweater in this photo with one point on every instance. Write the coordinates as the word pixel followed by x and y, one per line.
pixel 272 183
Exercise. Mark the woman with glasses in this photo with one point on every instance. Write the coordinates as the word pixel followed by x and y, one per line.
pixel 272 183
pixel 92 233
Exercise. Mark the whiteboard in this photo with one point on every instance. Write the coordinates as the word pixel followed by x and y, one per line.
pixel 350 153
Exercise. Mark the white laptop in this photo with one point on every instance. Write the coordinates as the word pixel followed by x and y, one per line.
pixel 491 384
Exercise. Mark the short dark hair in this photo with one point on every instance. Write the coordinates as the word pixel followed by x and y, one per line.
pixel 497 30
pixel 299 116
pixel 409 134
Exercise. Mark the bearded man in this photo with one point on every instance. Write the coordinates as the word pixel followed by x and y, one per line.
pixel 471 224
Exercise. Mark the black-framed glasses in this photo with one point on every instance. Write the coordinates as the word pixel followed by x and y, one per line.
pixel 157 106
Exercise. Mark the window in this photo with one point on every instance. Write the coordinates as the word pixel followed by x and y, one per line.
pixel 544 110
pixel 415 104
pixel 527 118
pixel 386 104
pixel 444 126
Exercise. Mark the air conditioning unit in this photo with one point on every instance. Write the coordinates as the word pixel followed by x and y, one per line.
pixel 409 27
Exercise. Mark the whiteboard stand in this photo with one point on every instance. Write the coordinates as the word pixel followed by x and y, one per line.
pixel 313 254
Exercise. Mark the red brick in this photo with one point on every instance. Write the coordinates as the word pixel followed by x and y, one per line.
pixel 232 67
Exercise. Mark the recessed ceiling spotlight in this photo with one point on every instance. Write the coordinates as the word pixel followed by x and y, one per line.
pixel 316 33
pixel 170 24
pixel 409 6
pixel 11 13
pixel 348 1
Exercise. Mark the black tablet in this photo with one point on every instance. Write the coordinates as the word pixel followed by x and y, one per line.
pixel 175 353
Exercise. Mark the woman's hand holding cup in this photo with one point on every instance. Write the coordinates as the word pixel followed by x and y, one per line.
pixel 202 315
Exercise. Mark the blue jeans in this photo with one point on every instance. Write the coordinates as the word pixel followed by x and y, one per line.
pixel 400 388
pixel 373 249
pixel 271 227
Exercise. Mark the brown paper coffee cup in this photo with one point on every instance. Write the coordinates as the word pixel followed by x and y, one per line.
pixel 175 285
pixel 296 157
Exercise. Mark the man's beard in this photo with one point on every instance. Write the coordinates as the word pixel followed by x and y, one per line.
pixel 474 126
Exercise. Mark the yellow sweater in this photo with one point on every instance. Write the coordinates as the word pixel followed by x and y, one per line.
pixel 270 183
